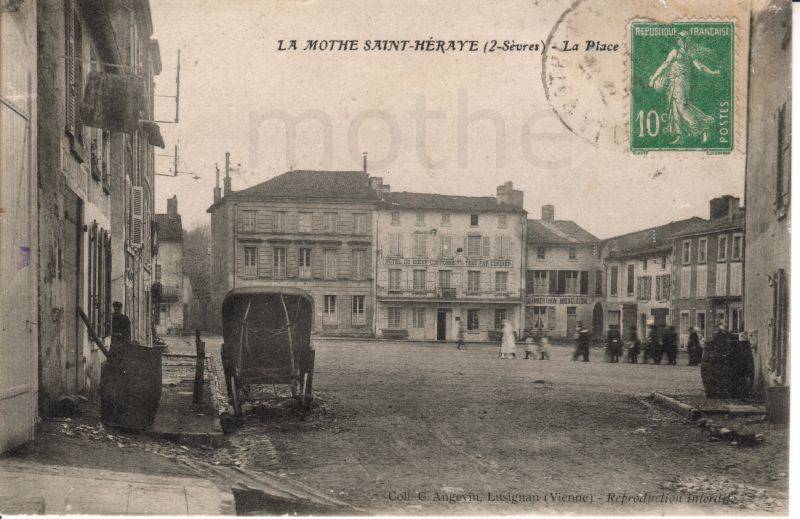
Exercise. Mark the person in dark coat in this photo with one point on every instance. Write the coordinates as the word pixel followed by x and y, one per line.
pixel 120 329
pixel 654 345
pixel 614 345
pixel 635 347
pixel 582 344
pixel 670 345
pixel 693 348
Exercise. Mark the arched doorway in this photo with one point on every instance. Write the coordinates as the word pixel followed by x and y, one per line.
pixel 597 321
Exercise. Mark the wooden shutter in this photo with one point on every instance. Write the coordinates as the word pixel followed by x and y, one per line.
pixel 137 202
pixel 584 282
pixel 69 65
pixel 553 277
pixel 487 247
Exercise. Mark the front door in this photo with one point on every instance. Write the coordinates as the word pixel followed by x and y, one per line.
pixel 629 318
pixel 72 290
pixel 441 324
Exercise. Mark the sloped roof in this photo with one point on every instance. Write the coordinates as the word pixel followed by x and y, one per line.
pixel 650 240
pixel 717 224
pixel 558 232
pixel 313 184
pixel 169 229
pixel 478 204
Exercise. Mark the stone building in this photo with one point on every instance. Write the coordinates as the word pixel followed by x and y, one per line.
pixel 707 271
pixel 445 259
pixel 169 272
pixel 768 193
pixel 311 230
pixel 95 157
pixel 638 270
pixel 18 224
pixel 564 277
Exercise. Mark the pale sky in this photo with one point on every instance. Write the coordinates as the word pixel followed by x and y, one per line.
pixel 231 68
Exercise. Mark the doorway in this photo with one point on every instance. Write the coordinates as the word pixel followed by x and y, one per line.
pixel 597 321
pixel 441 324
pixel 572 320
pixel 72 241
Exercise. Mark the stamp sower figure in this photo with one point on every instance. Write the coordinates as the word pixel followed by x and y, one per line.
pixel 508 345
pixel 693 348
pixel 459 334
pixel 634 346
pixel 670 342
pixel 120 329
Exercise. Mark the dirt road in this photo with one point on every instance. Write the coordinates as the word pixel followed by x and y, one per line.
pixel 422 428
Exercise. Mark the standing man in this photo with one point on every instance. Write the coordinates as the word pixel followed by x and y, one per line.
pixel 120 329
pixel 693 348
pixel 634 346
pixel 654 345
pixel 670 341
pixel 582 343
pixel 459 334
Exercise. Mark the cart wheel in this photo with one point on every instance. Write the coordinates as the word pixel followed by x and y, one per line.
pixel 308 392
pixel 237 405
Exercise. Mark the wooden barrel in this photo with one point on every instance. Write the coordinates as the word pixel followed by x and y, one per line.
pixel 130 387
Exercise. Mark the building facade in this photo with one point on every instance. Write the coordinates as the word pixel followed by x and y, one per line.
pixel 768 193
pixel 84 152
pixel 638 270
pixel 18 224
pixel 708 270
pixel 169 273
pixel 564 278
pixel 444 260
pixel 311 230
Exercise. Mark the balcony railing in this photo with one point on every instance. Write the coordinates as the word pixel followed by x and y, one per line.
pixel 446 293
pixel 170 293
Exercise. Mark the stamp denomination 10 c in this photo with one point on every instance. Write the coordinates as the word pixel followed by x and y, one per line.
pixel 682 86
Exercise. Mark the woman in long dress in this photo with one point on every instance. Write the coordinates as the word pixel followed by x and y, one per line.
pixel 508 345
pixel 675 75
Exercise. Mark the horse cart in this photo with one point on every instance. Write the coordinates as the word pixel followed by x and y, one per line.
pixel 267 340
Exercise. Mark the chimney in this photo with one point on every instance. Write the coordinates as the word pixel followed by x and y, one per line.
pixel 364 161
pixel 548 213
pixel 506 194
pixel 172 206
pixel 227 173
pixel 725 206
pixel 217 190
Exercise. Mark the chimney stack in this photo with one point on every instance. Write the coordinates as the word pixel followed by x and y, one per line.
pixel 725 206
pixel 506 194
pixel 548 213
pixel 172 206
pixel 217 190
pixel 364 161
pixel 227 173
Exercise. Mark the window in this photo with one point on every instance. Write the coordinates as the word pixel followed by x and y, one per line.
pixel 736 247
pixel 736 279
pixel 395 217
pixel 702 281
pixel 329 223
pixel 394 279
pixel 499 317
pixel 722 247
pixel 247 221
pixel 473 220
pixel 158 272
pixel 598 282
pixel 279 262
pixel 571 286
pixel 445 218
pixel 359 263
pixel 686 282
pixel 444 278
pixel 473 281
pixel 614 281
pixel 540 252
pixel 304 222
pixel 721 288
pixel 540 282
pixel 360 223
pixel 644 288
pixel 737 322
pixel 700 323
pixel 538 317
pixel 473 320
pixel 419 280
pixel 357 312
pixel 330 264
pixel 702 250
pixel 74 70
pixel 684 325
pixel 446 243
pixel 474 246
pixel 395 244
pixel 644 264
pixel 329 311
pixel 420 218
pixel 783 176
pixel 686 252
pixel 395 317
pixel 573 253
pixel 420 245
pixel 584 282
pixel 503 247
pixel 502 221
pixel 279 221
pixel 630 280
pixel 250 261
pixel 501 281
pixel 164 310
pixel 663 262
pixel 304 263
pixel 418 318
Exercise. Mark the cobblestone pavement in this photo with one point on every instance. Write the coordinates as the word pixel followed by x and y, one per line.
pixel 419 428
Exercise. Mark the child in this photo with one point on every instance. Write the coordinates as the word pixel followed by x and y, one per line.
pixel 544 348
pixel 529 346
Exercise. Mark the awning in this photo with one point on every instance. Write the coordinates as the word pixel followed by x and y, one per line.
pixel 153 133
pixel 113 101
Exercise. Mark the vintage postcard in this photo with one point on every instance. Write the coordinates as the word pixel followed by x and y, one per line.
pixel 428 257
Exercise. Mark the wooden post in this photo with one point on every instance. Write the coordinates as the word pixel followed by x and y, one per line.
pixel 197 396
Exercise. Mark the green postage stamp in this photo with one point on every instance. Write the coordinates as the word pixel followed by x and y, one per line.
pixel 682 86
